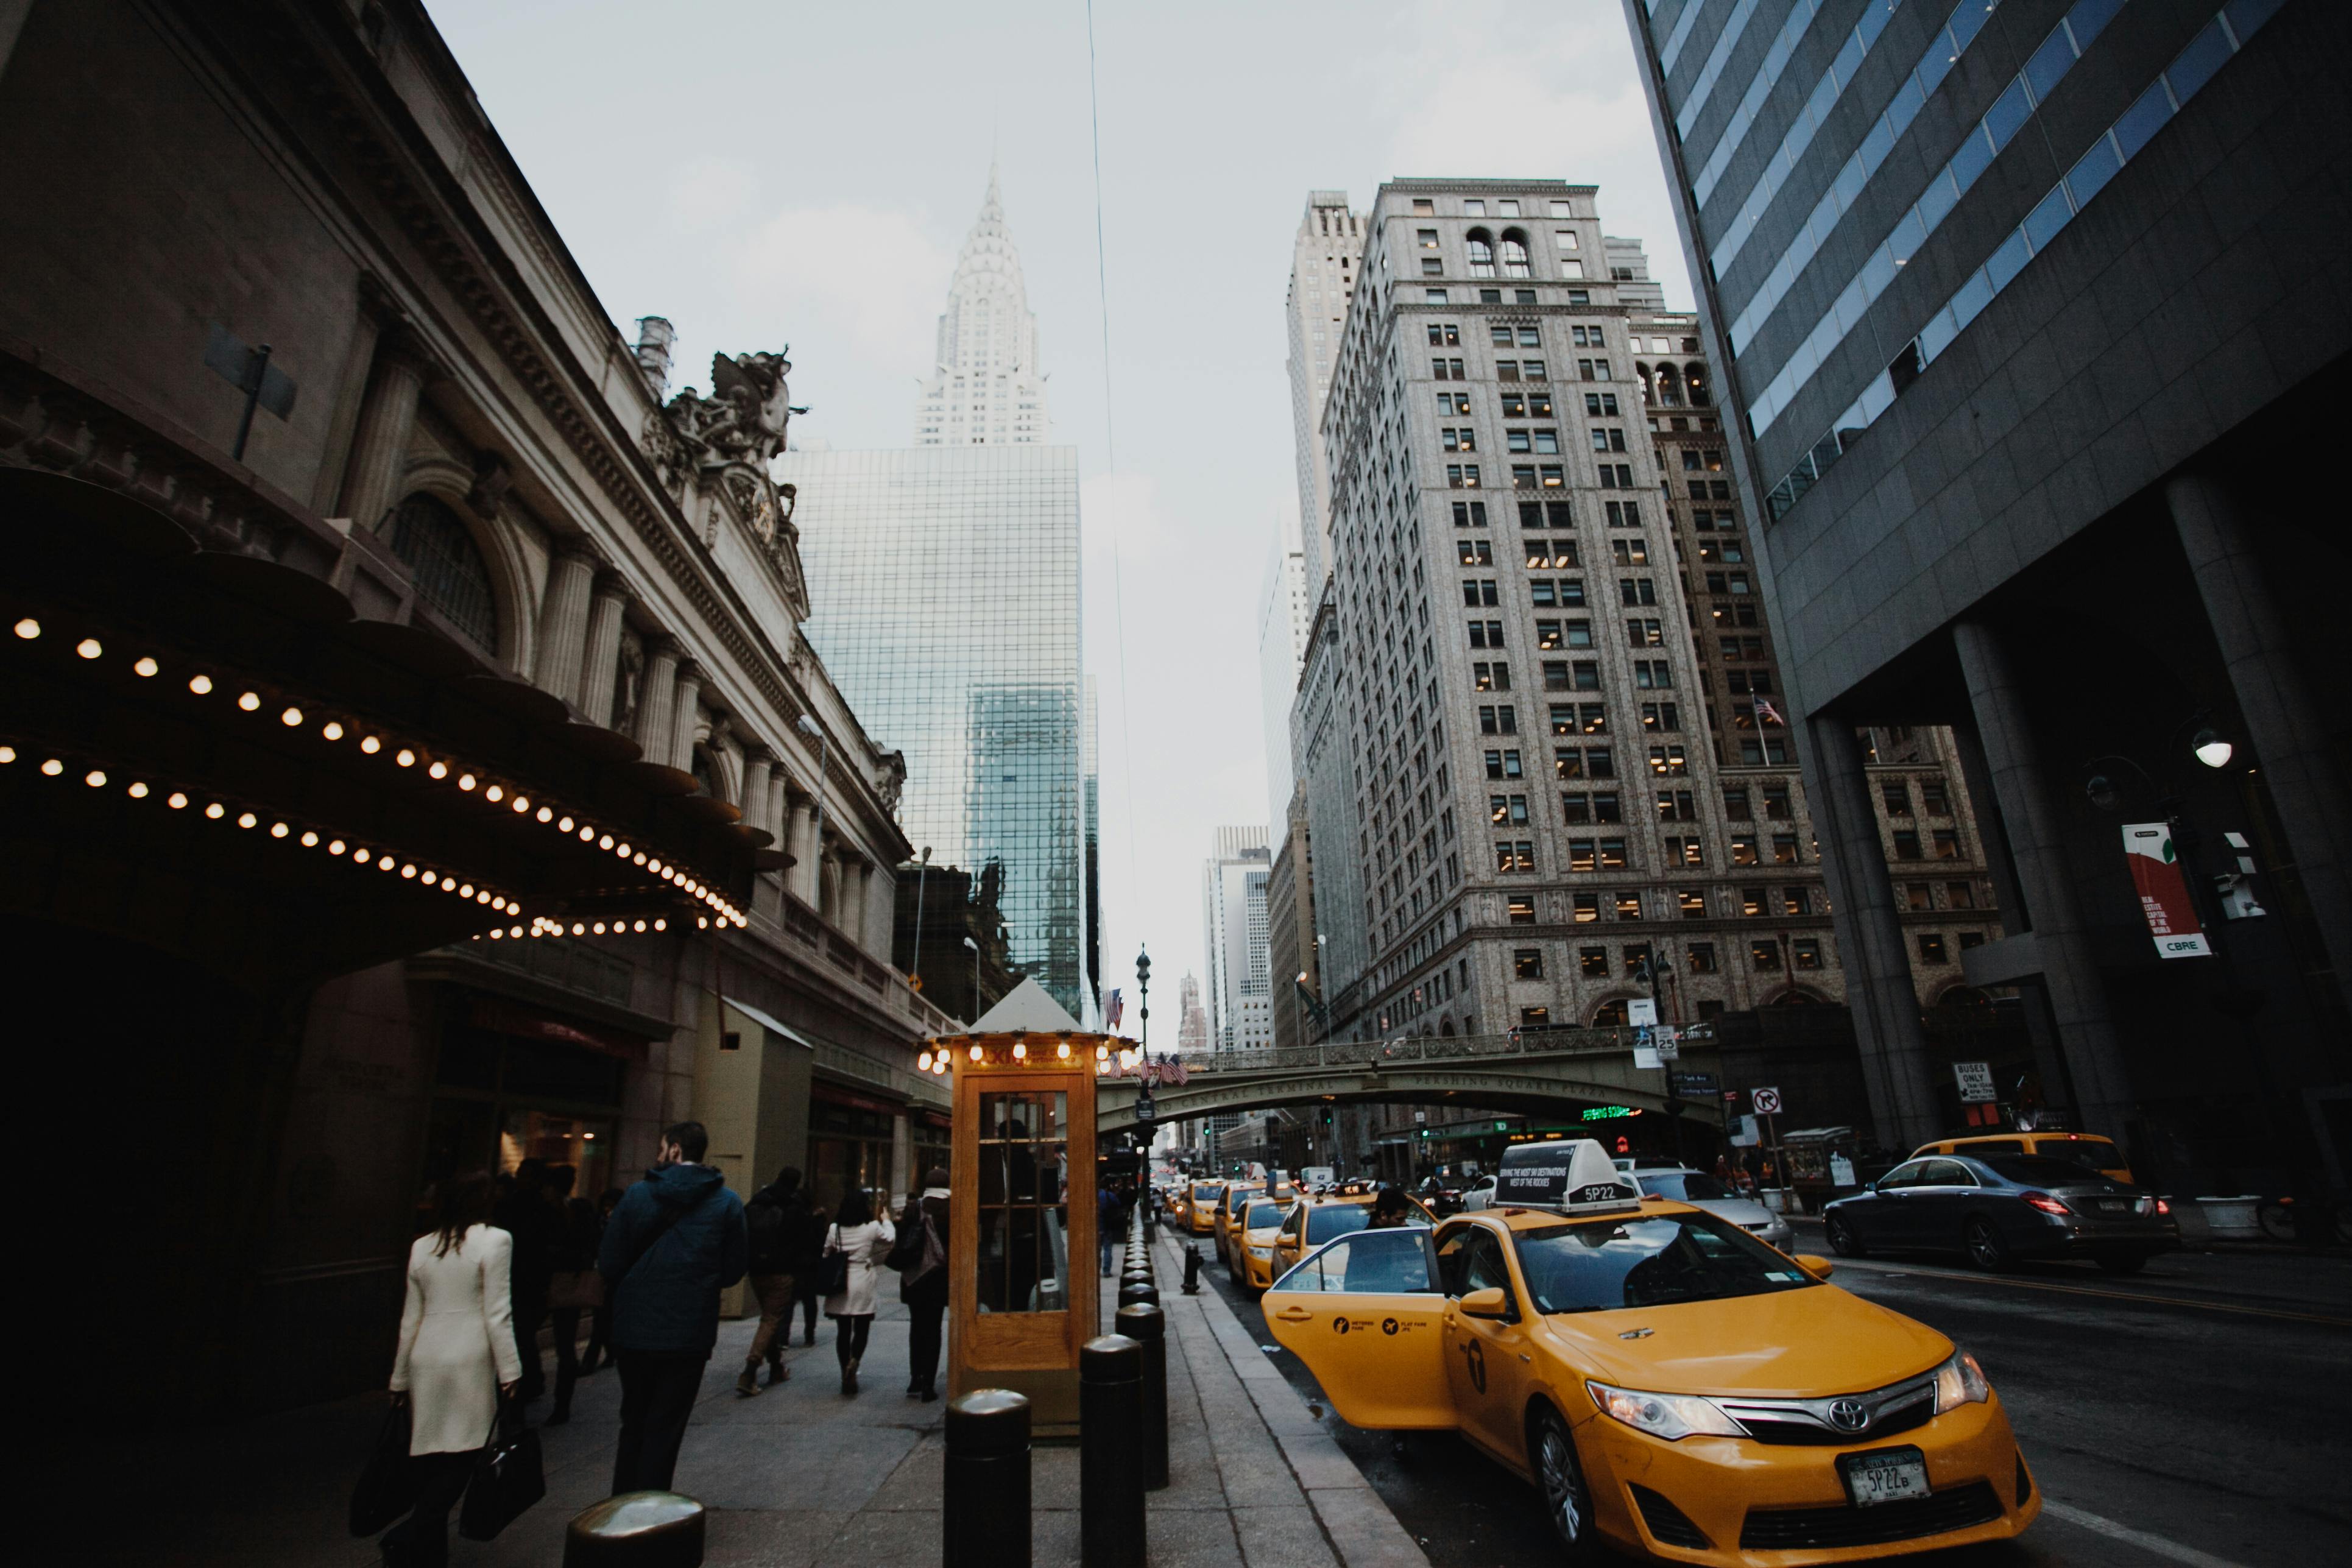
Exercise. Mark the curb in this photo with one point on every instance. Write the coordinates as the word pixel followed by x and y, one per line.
pixel 1362 1532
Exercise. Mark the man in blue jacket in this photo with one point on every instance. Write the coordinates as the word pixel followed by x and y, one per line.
pixel 676 1241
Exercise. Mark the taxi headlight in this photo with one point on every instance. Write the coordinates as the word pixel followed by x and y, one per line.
pixel 1961 1380
pixel 1672 1417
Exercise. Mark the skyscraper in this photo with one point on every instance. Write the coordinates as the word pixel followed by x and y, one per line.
pixel 1233 905
pixel 948 606
pixel 986 389
pixel 1324 255
pixel 1282 619
pixel 2028 320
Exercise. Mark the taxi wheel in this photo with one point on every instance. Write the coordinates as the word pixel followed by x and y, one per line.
pixel 1987 1251
pixel 1843 1241
pixel 1568 1502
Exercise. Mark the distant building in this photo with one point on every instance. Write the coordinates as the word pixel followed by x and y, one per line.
pixel 986 389
pixel 1192 1018
pixel 1283 612
pixel 1324 256
pixel 1233 897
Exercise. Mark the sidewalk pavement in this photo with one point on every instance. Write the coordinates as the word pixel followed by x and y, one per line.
pixel 800 1476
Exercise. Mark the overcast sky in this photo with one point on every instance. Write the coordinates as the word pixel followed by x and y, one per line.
pixel 769 172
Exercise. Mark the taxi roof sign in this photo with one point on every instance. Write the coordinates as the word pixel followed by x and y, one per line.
pixel 1572 1174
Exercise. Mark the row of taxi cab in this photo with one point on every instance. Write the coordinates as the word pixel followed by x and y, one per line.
pixel 1265 1232
pixel 1670 1384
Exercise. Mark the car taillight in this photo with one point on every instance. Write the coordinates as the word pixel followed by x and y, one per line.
pixel 2163 1208
pixel 2047 1203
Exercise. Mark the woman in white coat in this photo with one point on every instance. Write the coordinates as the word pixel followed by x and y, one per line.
pixel 457 1357
pixel 855 1234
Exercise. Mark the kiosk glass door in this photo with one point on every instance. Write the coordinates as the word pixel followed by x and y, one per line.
pixel 1024 1184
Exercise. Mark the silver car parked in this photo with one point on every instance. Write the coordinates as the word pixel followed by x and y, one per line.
pixel 1702 1191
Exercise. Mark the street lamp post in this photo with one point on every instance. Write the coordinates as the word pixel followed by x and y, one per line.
pixel 975 977
pixel 915 976
pixel 1653 968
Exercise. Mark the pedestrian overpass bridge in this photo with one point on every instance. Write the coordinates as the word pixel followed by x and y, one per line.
pixel 1540 1071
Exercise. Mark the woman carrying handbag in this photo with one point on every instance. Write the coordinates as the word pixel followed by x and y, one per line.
pixel 457 1359
pixel 854 1244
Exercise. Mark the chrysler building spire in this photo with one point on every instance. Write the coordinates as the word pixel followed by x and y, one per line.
pixel 986 389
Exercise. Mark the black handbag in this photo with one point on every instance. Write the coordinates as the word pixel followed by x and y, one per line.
pixel 387 1484
pixel 508 1478
pixel 907 1251
pixel 833 1271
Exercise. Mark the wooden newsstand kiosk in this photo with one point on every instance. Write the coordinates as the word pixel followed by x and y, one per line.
pixel 1021 1207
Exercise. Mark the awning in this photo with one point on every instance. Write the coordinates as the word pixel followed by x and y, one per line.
pixel 210 748
pixel 768 1024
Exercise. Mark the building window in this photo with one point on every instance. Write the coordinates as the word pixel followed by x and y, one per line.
pixel 1526 963
pixel 1896 795
pixel 1469 514
pixel 1784 849
pixel 1513 855
pixel 1931 948
pixel 1692 901
pixel 1744 850
pixel 1628 906
pixel 1947 844
pixel 1700 956
pixel 1765 956
pixel 450 573
pixel 1494 676
pixel 1592 963
pixel 1960 895
pixel 1805 953
pixel 1523 910
pixel 1934 799
pixel 1907 844
pixel 1584 909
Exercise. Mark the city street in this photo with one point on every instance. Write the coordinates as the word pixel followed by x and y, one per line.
pixel 2192 1415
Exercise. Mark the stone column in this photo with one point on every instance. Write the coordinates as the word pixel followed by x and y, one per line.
pixel 754 802
pixel 851 917
pixel 2281 722
pixel 380 445
pixel 2037 848
pixel 655 697
pixel 780 816
pixel 564 622
pixel 1993 833
pixel 1885 1004
pixel 684 712
pixel 802 878
pixel 600 664
pixel 828 887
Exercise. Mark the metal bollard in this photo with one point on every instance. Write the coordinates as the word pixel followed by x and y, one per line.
pixel 1191 1271
pixel 1142 1292
pixel 1148 1326
pixel 637 1530
pixel 1110 1456
pixel 984 1509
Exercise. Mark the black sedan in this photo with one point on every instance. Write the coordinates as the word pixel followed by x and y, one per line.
pixel 2009 1206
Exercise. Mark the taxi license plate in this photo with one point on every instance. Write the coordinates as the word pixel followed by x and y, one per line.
pixel 1889 1474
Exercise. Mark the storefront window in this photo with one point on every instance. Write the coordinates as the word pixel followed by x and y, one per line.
pixel 848 1146
pixel 1023 1175
pixel 500 1100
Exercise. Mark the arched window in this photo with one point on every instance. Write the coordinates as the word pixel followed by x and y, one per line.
pixel 450 573
pixel 1515 255
pixel 1649 392
pixel 1695 376
pixel 1610 1015
pixel 1482 252
pixel 1670 386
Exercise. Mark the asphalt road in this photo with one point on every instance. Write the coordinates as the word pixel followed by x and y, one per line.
pixel 2198 1414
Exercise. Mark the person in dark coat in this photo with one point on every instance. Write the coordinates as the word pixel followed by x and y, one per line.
pixel 525 1213
pixel 678 1239
pixel 807 1264
pixel 577 1238
pixel 779 1217
pixel 600 1319
pixel 924 1287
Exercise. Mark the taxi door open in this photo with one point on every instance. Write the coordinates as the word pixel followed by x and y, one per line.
pixel 1364 1313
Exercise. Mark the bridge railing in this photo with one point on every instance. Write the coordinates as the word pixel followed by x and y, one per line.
pixel 1417 1048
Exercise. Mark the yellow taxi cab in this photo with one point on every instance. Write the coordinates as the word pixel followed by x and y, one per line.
pixel 1250 1257
pixel 1671 1386
pixel 1221 1221
pixel 1319 1220
pixel 2085 1149
pixel 1197 1207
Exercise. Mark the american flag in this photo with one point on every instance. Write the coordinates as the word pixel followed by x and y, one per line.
pixel 1118 1005
pixel 1764 709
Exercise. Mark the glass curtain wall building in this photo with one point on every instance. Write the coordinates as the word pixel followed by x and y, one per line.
pixel 946 587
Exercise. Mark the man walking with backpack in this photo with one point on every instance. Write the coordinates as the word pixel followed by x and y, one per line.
pixel 676 1241
pixel 779 1218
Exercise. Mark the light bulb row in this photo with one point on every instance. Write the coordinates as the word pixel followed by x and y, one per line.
pixel 541 925
pixel 217 809
pixel 292 715
pixel 936 1061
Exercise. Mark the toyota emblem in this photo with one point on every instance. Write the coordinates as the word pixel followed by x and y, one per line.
pixel 1849 1415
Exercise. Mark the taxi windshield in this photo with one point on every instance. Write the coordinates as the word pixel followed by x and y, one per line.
pixel 1684 1185
pixel 1650 1261
pixel 1262 1214
pixel 2091 1153
pixel 1207 1193
pixel 1327 1220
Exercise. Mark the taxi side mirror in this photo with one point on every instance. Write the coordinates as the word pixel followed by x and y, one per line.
pixel 1819 1268
pixel 1489 1302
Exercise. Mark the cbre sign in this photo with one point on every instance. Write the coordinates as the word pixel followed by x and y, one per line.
pixel 2163 890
